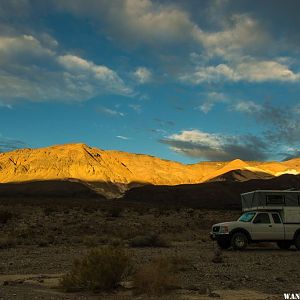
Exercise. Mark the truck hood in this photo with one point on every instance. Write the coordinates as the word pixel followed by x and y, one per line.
pixel 230 224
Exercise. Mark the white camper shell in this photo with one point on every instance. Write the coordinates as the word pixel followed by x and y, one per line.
pixel 287 203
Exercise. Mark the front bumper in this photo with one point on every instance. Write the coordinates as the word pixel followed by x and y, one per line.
pixel 215 236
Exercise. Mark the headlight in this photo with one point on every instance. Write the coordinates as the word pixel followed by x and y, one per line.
pixel 224 229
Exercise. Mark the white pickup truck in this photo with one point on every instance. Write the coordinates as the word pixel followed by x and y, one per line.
pixel 272 216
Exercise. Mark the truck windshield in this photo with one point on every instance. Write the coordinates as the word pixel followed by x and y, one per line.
pixel 246 217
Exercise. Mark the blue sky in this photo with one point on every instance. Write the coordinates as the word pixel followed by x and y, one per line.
pixel 183 80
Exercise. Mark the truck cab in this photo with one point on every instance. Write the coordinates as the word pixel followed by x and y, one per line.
pixel 261 223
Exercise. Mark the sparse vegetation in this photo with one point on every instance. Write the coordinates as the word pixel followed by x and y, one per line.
pixel 218 256
pixel 100 270
pixel 115 212
pixel 7 242
pixel 156 277
pixel 5 215
pixel 90 241
pixel 149 240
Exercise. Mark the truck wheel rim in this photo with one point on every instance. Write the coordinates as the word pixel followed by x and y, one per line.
pixel 239 241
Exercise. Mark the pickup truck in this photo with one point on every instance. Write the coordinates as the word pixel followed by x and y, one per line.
pixel 256 226
pixel 269 216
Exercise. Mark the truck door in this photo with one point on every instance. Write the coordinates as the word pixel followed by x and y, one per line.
pixel 278 229
pixel 261 227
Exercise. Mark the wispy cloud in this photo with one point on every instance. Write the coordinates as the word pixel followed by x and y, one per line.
pixel 122 137
pixel 110 112
pixel 136 107
pixel 210 100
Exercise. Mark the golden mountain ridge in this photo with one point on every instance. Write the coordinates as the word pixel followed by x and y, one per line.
pixel 122 169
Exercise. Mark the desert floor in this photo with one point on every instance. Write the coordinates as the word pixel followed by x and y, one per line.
pixel 39 240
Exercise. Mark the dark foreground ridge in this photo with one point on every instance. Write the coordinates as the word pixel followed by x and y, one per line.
pixel 49 188
pixel 210 195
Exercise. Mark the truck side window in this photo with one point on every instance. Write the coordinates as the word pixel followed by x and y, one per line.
pixel 262 218
pixel 276 218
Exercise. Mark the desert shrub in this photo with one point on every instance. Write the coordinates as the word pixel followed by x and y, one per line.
pixel 156 277
pixel 7 242
pixel 100 270
pixel 149 240
pixel 5 215
pixel 115 212
pixel 218 256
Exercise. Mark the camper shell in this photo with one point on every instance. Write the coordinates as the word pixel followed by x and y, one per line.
pixel 287 203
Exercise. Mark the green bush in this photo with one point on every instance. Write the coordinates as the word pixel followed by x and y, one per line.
pixel 100 270
pixel 156 277
pixel 149 240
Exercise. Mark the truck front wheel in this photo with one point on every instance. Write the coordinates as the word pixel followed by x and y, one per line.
pixel 284 244
pixel 239 241
pixel 297 241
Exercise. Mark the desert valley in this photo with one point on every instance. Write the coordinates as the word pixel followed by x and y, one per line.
pixel 62 202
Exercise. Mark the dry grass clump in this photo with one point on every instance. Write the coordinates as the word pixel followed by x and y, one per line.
pixel 100 270
pixel 156 277
pixel 149 240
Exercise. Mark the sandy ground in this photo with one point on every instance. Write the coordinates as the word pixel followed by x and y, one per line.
pixel 48 240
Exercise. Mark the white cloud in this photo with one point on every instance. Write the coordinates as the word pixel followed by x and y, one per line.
pixel 31 69
pixel 212 146
pixel 101 76
pixel 143 75
pixel 249 70
pixel 249 107
pixel 137 20
pixel 198 137
pixel 241 34
pixel 211 99
pixel 22 47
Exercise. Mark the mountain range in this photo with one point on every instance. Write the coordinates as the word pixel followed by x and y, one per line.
pixel 112 174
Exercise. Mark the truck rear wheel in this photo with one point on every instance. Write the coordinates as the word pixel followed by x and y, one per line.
pixel 297 241
pixel 284 244
pixel 239 241
pixel 223 244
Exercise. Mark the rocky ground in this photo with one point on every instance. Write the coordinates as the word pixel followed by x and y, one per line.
pixel 39 242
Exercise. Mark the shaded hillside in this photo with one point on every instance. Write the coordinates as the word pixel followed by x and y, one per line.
pixel 241 175
pixel 212 195
pixel 54 188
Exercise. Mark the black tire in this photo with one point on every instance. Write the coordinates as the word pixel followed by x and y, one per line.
pixel 284 244
pixel 223 244
pixel 297 241
pixel 239 241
